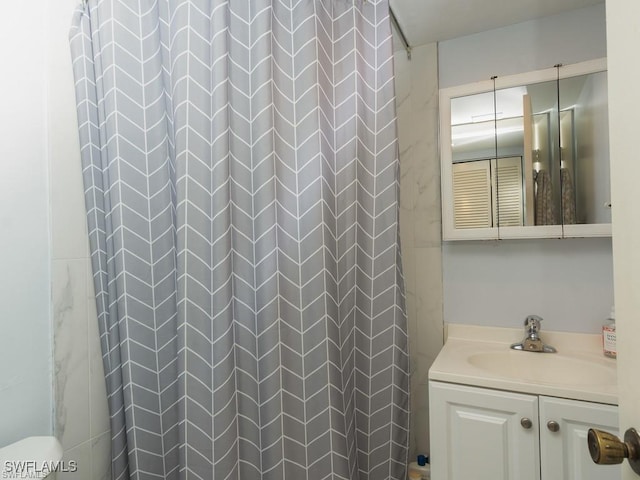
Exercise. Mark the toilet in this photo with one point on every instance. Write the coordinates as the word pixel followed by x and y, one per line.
pixel 32 457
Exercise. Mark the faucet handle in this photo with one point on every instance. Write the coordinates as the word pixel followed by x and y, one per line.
pixel 532 323
pixel 532 341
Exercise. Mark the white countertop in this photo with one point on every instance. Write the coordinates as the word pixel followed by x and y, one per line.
pixel 480 356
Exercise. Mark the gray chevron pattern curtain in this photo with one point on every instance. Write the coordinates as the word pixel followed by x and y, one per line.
pixel 241 172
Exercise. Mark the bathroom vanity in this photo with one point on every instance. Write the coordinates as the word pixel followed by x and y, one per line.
pixel 497 413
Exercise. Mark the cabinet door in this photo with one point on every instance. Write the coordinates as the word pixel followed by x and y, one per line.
pixel 564 453
pixel 477 434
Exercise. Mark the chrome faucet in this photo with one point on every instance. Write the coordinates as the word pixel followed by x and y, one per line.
pixel 532 342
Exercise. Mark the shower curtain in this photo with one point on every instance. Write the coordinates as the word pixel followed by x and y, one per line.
pixel 241 176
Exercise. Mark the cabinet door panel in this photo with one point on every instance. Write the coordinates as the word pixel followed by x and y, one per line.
pixel 564 454
pixel 476 433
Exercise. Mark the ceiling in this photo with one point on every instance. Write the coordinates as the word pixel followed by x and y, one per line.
pixel 427 21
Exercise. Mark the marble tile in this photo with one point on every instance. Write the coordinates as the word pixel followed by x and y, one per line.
pixel 420 418
pixel 407 196
pixel 425 59
pixel 413 402
pixel 407 174
pixel 101 457
pixel 98 407
pixel 428 210
pixel 91 291
pixel 412 320
pixel 408 266
pixel 409 272
pixel 429 301
pixel 402 67
pixel 71 355
pixel 420 224
pixel 423 363
pixel 68 220
pixel 407 225
pixel 407 185
pixel 421 427
pixel 407 199
pixel 81 457
pixel 418 133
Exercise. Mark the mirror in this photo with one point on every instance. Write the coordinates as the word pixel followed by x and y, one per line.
pixel 527 155
pixel 584 149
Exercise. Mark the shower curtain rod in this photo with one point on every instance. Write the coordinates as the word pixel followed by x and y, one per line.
pixel 403 38
pixel 394 22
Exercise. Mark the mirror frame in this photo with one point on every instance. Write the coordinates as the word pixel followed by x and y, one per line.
pixel 449 232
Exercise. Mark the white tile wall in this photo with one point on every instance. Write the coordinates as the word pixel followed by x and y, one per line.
pixel 420 223
pixel 71 352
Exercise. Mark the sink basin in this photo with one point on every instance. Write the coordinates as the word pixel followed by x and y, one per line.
pixel 546 368
pixel 481 357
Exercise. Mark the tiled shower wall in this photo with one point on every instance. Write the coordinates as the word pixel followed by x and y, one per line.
pixel 420 223
pixel 81 420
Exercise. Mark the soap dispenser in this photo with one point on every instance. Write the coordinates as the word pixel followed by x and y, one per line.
pixel 609 336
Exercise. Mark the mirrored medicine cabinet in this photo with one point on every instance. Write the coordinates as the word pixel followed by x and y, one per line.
pixel 527 155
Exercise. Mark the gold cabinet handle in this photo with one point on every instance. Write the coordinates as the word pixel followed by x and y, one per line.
pixel 553 426
pixel 526 423
pixel 607 449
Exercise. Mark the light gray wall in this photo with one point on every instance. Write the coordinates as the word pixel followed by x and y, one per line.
pixel 25 321
pixel 568 282
pixel 568 37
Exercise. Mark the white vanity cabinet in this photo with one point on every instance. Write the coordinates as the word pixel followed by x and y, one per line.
pixel 480 433
pixel 476 433
pixel 564 454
